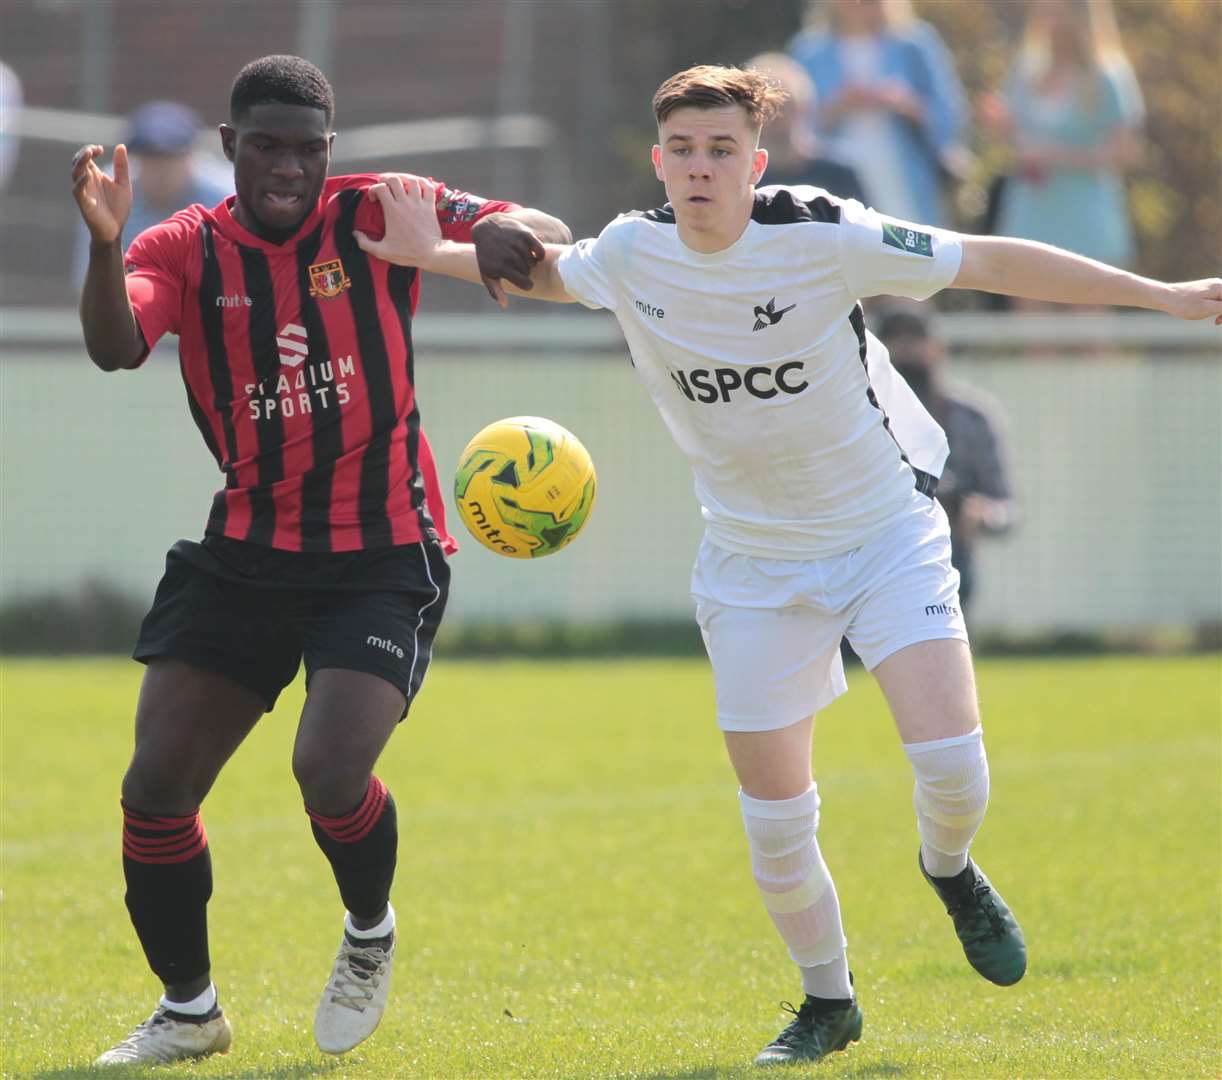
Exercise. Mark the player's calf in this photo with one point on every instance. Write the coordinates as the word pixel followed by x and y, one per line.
pixel 797 888
pixel 361 847
pixel 950 795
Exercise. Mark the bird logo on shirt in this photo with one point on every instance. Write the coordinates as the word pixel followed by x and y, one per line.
pixel 768 315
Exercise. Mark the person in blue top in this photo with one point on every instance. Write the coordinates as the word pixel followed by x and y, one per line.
pixel 168 175
pixel 795 155
pixel 890 102
pixel 1071 110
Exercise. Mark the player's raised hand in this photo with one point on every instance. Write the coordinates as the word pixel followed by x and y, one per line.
pixel 1198 300
pixel 413 233
pixel 505 248
pixel 104 202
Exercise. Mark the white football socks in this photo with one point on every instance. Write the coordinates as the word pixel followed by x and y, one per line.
pixel 797 888
pixel 950 796
pixel 382 929
pixel 201 1005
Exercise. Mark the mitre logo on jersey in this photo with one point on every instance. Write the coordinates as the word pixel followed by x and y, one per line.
pixel 768 315
pixel 328 280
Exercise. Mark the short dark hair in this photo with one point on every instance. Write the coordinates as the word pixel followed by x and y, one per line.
pixel 281 80
pixel 709 86
pixel 903 322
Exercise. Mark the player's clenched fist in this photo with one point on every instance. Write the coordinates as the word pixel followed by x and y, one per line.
pixel 104 202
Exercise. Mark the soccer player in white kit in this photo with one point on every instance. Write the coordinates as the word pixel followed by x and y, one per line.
pixel 815 466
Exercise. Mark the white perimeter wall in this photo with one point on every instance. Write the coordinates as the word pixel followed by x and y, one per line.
pixel 1117 462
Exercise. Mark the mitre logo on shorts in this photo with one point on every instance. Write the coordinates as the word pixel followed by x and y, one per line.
pixel 941 609
pixel 300 388
pixel 712 385
pixel 385 644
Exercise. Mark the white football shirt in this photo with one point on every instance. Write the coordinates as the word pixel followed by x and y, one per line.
pixel 803 440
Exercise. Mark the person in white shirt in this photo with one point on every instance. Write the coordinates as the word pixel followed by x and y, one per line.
pixel 815 466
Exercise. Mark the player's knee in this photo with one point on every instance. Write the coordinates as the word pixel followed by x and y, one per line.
pixel 328 785
pixel 157 786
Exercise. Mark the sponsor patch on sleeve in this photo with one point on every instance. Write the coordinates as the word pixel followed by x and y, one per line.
pixel 458 206
pixel 906 239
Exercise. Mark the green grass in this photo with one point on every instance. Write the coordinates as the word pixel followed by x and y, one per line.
pixel 573 893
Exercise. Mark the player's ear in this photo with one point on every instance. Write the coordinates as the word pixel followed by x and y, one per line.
pixel 229 139
pixel 655 155
pixel 759 164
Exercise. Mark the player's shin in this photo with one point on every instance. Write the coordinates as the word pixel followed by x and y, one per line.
pixel 797 888
pixel 168 870
pixel 950 795
pixel 362 847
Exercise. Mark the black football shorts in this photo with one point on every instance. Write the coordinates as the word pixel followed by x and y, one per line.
pixel 253 612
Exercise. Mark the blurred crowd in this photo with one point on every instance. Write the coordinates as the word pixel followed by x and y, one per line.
pixel 878 112
pixel 876 90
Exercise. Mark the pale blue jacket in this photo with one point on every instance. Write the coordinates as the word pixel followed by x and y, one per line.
pixel 919 58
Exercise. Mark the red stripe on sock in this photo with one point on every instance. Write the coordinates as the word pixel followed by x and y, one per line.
pixel 143 844
pixel 359 823
pixel 184 840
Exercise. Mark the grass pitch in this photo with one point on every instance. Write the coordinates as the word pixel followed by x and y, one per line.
pixel 573 893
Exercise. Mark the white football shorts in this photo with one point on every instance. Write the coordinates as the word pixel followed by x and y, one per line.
pixel 772 627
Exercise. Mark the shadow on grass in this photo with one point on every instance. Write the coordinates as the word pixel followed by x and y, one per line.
pixel 289 1070
pixel 875 1069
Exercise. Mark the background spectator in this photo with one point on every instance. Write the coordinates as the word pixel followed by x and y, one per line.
pixel 795 154
pixel 890 99
pixel 975 485
pixel 166 174
pixel 1071 110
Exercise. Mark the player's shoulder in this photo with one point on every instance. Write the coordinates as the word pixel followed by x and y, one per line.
pixel 174 235
pixel 794 204
pixel 637 229
pixel 660 218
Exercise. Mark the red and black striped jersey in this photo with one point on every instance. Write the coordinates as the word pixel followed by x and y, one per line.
pixel 298 364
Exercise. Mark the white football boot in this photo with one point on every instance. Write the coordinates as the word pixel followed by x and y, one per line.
pixel 355 996
pixel 161 1039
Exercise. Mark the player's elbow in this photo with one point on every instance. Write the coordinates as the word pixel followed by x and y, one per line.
pixel 550 230
pixel 111 360
pixel 981 267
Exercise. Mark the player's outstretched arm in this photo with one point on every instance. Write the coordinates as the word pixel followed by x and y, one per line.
pixel 1034 271
pixel 112 337
pixel 413 238
pixel 509 244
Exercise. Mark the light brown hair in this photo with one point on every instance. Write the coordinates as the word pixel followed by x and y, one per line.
pixel 708 86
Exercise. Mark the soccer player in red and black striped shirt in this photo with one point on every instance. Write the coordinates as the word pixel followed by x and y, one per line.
pixel 327 540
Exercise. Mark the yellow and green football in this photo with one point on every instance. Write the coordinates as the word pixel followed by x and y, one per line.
pixel 525 487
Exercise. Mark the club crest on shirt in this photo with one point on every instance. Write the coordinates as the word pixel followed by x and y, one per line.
pixel 328 280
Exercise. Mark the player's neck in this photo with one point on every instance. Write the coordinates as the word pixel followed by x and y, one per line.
pixel 255 227
pixel 710 237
